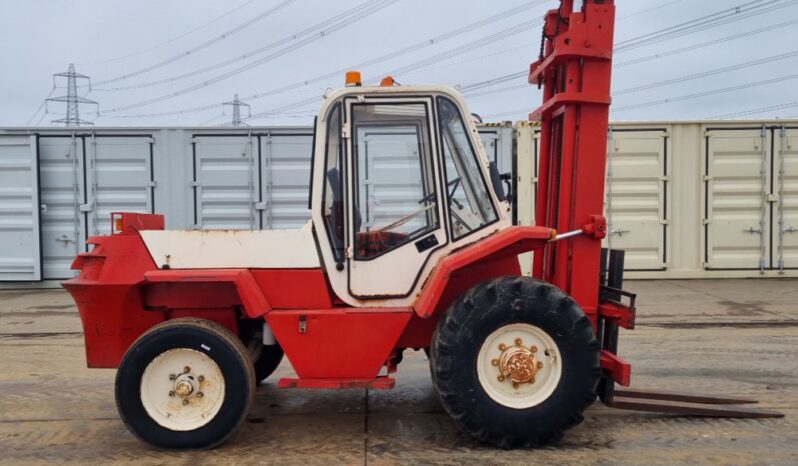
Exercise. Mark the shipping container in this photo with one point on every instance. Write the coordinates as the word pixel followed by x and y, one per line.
pixel 693 199
pixel 59 186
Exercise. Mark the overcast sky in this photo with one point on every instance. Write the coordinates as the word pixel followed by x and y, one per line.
pixel 110 39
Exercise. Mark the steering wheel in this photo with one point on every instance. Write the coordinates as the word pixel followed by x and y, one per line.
pixel 405 219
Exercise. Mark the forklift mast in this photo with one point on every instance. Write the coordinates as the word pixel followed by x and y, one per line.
pixel 574 70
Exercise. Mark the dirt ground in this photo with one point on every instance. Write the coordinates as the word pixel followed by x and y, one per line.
pixel 727 337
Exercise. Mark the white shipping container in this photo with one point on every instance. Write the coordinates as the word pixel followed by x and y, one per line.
pixel 694 199
pixel 684 199
pixel 243 178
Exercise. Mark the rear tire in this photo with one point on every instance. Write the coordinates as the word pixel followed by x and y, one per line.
pixel 481 334
pixel 185 384
pixel 266 361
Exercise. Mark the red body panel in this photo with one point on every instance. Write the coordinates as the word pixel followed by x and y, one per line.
pixel 380 383
pixel 617 367
pixel 490 257
pixel 338 343
pixel 109 297
pixel 252 298
pixel 294 288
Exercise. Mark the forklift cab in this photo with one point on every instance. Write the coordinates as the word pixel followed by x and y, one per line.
pixel 400 179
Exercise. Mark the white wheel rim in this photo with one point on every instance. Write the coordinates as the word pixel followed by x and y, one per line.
pixel 547 362
pixel 182 389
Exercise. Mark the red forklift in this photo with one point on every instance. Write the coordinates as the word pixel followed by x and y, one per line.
pixel 428 259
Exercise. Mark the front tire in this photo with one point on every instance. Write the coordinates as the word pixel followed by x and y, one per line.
pixel 185 384
pixel 515 362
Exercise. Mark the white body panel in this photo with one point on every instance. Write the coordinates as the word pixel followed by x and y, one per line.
pixel 211 249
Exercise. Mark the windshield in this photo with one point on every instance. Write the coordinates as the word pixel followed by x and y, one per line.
pixel 394 198
pixel 470 203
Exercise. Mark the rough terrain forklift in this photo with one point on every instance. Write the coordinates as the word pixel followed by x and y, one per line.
pixel 410 246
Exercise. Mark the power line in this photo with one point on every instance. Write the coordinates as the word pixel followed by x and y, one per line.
pixel 494 81
pixel 418 64
pixel 497 91
pixel 203 45
pixel 678 98
pixel 41 106
pixel 528 46
pixel 718 18
pixel 486 40
pixel 705 93
pixel 168 41
pixel 692 47
pixel 318 29
pixel 213 118
pixel 755 111
pixel 478 57
pixel 666 82
pixel 511 31
pixel 373 61
pixel 39 121
pixel 647 10
pixel 639 39
pixel 712 72
pixel 372 8
pixel 712 20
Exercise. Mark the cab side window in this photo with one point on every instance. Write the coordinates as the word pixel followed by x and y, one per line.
pixel 470 202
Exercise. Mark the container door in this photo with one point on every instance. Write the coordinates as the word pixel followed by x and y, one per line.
pixel 490 141
pixel 225 182
pixel 285 178
pixel 635 200
pixel 20 258
pixel 786 174
pixel 736 211
pixel 120 178
pixel 63 227
pixel 395 212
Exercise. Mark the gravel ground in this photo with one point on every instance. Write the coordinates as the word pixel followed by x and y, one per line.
pixel 725 337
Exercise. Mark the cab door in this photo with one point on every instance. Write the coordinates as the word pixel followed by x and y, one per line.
pixel 394 209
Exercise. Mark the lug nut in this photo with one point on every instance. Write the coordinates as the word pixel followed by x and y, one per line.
pixel 185 402
pixel 502 347
pixel 186 369
pixel 501 378
pixel 515 385
pixel 172 376
pixel 495 362
pixel 200 394
pixel 171 393
pixel 533 348
pixel 532 381
pixel 200 378
pixel 518 342
pixel 540 365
